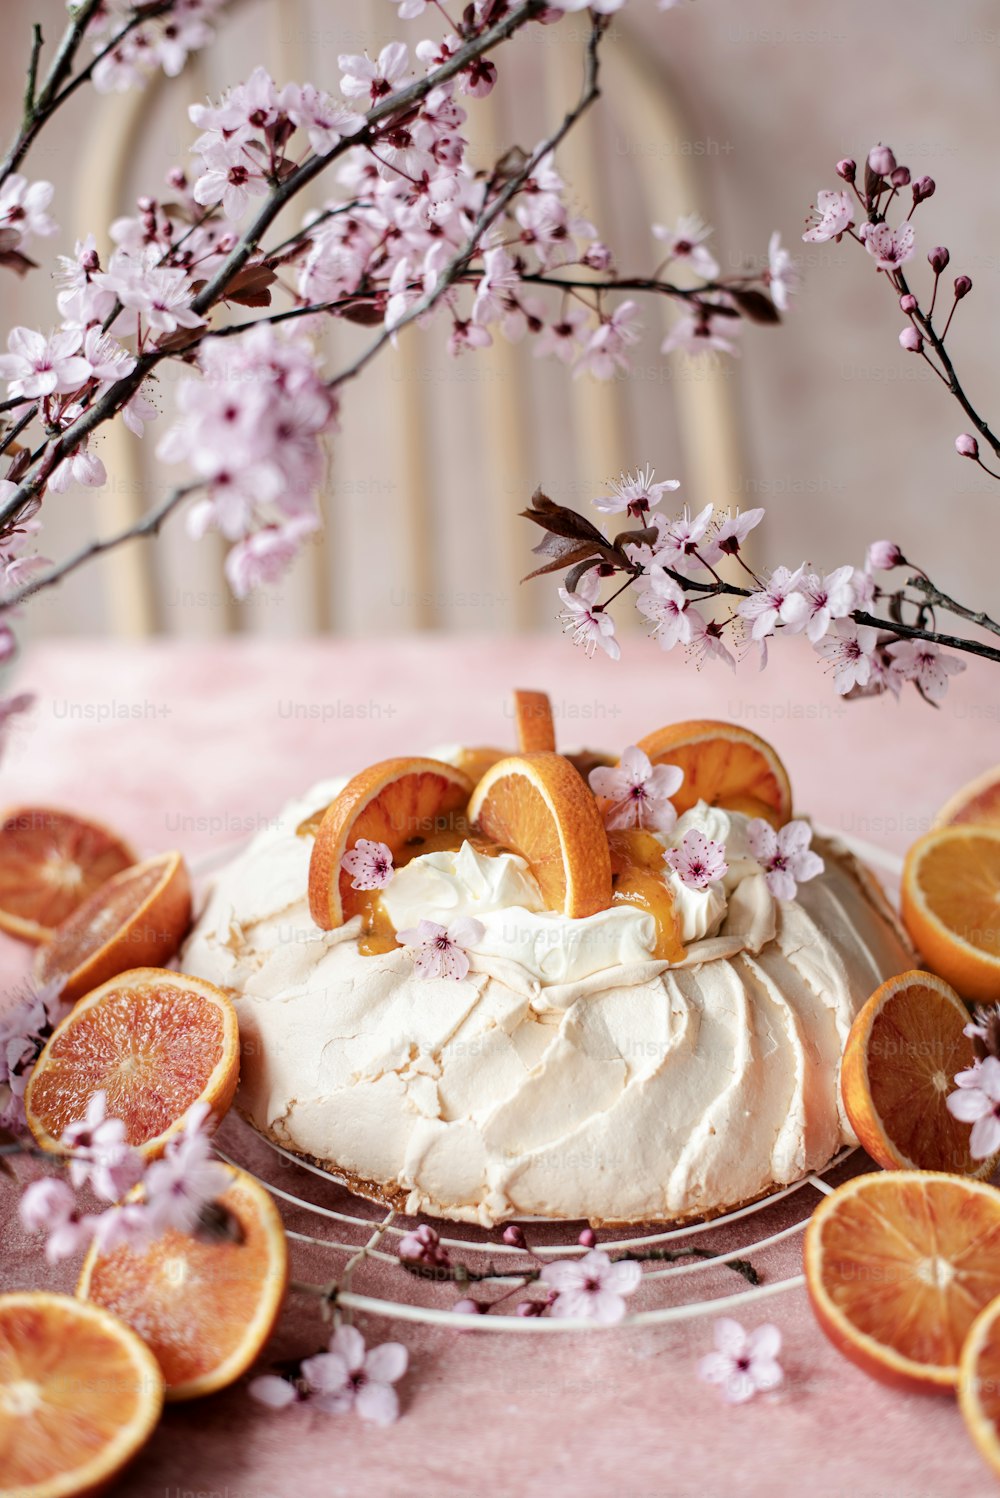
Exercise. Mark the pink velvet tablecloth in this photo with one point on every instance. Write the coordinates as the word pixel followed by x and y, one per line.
pixel 194 746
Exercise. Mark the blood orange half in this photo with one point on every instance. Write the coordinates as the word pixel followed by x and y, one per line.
pixel 50 861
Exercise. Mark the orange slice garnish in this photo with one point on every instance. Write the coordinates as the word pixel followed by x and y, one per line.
pixel 899 1066
pixel 80 1394
pixel 538 805
pixel 205 1308
pixel 535 725
pixel 137 919
pixel 724 765
pixel 155 1041
pixel 951 907
pixel 50 861
pixel 979 1383
pixel 977 803
pixel 399 802
pixel 898 1265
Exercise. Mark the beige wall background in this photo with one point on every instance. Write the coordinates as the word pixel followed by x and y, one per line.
pixel 737 107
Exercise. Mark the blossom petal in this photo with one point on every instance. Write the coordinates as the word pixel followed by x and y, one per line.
pixel 378 1403
pixel 387 1363
pixel 277 1393
pixel 350 1344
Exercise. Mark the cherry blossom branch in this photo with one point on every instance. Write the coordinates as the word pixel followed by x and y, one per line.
pixel 936 599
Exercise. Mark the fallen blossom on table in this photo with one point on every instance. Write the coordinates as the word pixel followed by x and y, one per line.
pixel 743 1363
pixel 348 1376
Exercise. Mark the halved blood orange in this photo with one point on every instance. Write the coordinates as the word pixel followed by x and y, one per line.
pixel 155 1041
pixel 399 802
pixel 977 803
pixel 899 1066
pixel 724 765
pixel 204 1307
pixel 538 805
pixel 951 907
pixel 50 861
pixel 137 919
pixel 898 1265
pixel 80 1394
pixel 535 725
pixel 979 1383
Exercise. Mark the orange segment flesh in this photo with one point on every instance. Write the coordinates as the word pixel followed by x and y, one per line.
pixel 80 1394
pixel 977 803
pixel 724 765
pixel 951 907
pixel 979 1383
pixel 137 919
pixel 400 802
pixel 204 1308
pixel 898 1265
pixel 155 1041
pixel 637 878
pixel 535 727
pixel 899 1066
pixel 50 861
pixel 538 805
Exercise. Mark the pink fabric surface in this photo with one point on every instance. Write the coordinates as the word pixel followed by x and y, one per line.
pixel 194 746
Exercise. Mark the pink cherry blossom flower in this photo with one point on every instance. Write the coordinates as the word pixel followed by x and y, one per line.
pixel 702 333
pixel 350 1377
pixel 830 597
pixel 730 535
pixel 890 248
pixel 977 1102
pixel 834 213
pixel 324 120
pixel 743 1363
pixel 593 1287
pixel 80 300
pixel 467 335
pixel 562 338
pixel 605 350
pixel 370 864
pixel 639 791
pixel 23 207
pixel 186 1178
pixel 38 366
pixel 372 81
pixel 107 359
pixel 780 601
pixel 922 662
pixel 585 620
pixel 232 183
pixel 441 951
pixel 101 1156
pixel 499 282
pixel 49 1206
pixel 423 1246
pixel 686 242
pixel 679 543
pixel 636 494
pixel 782 274
pixel 706 640
pixel 883 556
pixel 263 557
pixel 159 293
pixel 850 649
pixel 699 861
pixel 785 856
pixel 664 603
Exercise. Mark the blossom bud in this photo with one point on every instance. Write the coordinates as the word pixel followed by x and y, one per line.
pixel 514 1237
pixel 963 285
pixel 911 340
pixel 938 258
pixel 146 205
pixel 469 1307
pixel 882 161
pixel 900 177
pixel 908 303
pixel 966 445
pixel 883 556
pixel 923 188
pixel 588 1238
pixel 177 178
pixel 530 1307
pixel 597 256
pixel 847 169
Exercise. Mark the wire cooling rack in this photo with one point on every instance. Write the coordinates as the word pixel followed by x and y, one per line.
pixel 358 1239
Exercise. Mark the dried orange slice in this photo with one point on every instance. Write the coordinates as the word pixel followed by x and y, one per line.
pixel 155 1041
pixel 951 907
pixel 899 1065
pixel 898 1265
pixel 137 919
pixel 80 1394
pixel 204 1308
pixel 535 726
pixel 977 803
pixel 538 805
pixel 979 1383
pixel 724 765
pixel 50 861
pixel 399 802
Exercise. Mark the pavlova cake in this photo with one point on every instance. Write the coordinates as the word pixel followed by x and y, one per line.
pixel 479 985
